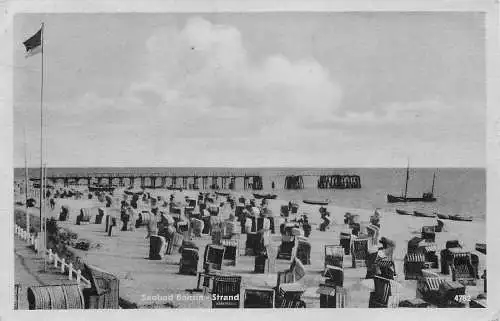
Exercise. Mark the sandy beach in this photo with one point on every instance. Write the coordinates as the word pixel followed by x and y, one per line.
pixel 150 284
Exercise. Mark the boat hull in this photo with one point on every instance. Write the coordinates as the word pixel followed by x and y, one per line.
pixel 265 196
pixel 402 199
pixel 315 202
pixel 443 216
pixel 461 218
pixel 420 214
pixel 402 212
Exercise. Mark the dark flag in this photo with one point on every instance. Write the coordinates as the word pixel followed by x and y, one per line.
pixel 34 44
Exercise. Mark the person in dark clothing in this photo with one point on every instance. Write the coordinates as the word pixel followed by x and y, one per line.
pixel 324 216
pixel 272 185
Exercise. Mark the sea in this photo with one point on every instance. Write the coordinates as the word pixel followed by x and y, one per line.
pixel 458 190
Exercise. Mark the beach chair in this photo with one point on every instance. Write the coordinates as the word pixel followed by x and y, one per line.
pixel 429 249
pixel 189 261
pixel 213 257
pixel 55 297
pixel 385 268
pixel 226 291
pixel 334 275
pixel 84 217
pixel 99 216
pixel 287 248
pixel 439 291
pixel 445 255
pixel 428 233
pixel 303 250
pixel 290 296
pixel 345 242
pixel 385 295
pixel 63 216
pixel 157 246
pixel 259 298
pixel 373 232
pixel 331 296
pixel 461 267
pixel 104 290
pixel 359 252
pixel 478 303
pixel 413 265
pixel 231 252
pixel 266 262
pixel 174 243
pixel 253 243
pixel 334 255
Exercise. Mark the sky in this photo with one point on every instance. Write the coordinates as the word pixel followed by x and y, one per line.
pixel 250 90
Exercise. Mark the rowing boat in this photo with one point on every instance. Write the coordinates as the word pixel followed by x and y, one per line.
pixel 402 212
pixel 422 214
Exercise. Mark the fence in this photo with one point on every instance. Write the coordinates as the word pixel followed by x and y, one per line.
pixel 52 258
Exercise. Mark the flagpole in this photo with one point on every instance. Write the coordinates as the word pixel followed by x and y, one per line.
pixel 42 196
pixel 26 182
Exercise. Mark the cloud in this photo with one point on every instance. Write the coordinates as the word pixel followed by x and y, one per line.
pixel 203 76
pixel 396 113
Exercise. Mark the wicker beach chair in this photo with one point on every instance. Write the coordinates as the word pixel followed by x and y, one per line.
pixel 461 267
pixel 259 298
pixel 213 257
pixel 413 265
pixel 331 296
pixel 231 252
pixel 287 247
pixel 157 247
pixel 226 291
pixel 290 296
pixel 104 290
pixel 385 268
pixel 385 295
pixel 429 249
pixel 445 255
pixel 174 243
pixel 189 261
pixel 55 297
pixel 373 233
pixel 359 252
pixel 428 233
pixel 303 250
pixel 84 217
pixel 265 262
pixel 345 242
pixel 334 255
pixel 100 215
pixel 252 243
pixel 439 291
pixel 63 216
pixel 334 275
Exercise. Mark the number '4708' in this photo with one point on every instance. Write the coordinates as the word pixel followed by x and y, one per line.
pixel 462 298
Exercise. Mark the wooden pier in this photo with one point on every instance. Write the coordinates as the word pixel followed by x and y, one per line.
pixel 207 181
pixel 153 181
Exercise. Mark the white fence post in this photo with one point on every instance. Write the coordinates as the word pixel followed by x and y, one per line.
pixel 62 265
pixel 70 273
pixel 55 260
pixel 78 276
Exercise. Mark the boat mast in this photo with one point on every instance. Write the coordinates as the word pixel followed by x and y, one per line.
pixel 407 178
pixel 433 180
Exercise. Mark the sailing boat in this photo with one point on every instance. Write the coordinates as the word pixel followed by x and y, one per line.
pixel 426 197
